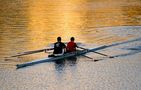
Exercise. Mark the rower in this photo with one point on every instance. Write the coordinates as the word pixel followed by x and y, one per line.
pixel 59 48
pixel 71 46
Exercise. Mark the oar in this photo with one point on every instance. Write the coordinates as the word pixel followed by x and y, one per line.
pixel 103 54
pixel 30 52
pixel 97 52
pixel 88 57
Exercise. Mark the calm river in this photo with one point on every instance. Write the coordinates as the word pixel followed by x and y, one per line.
pixel 35 24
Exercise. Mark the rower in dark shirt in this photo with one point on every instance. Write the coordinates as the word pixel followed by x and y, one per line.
pixel 59 47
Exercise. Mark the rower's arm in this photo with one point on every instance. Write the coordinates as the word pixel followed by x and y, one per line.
pixel 48 49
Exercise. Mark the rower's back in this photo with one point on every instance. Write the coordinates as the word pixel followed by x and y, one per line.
pixel 59 46
pixel 71 46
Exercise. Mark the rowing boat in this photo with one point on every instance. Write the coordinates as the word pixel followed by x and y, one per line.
pixel 67 55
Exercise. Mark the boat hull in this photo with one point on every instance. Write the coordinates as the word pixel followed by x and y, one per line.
pixel 48 59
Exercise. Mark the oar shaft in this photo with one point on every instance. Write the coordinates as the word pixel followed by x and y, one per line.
pixel 96 52
pixel 36 51
pixel 87 57
pixel 81 47
pixel 100 53
pixel 31 52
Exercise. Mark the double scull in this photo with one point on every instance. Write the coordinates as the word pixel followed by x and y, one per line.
pixel 67 55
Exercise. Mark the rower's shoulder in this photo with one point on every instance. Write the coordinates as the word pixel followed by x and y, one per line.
pixel 62 42
pixel 55 42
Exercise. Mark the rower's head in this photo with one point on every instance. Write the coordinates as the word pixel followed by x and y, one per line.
pixel 59 39
pixel 72 39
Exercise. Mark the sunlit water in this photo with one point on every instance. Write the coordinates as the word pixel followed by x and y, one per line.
pixel 35 24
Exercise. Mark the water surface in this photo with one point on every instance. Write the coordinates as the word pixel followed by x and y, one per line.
pixel 34 24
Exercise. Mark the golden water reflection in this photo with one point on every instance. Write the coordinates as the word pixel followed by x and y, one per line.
pixel 49 20
pixel 33 24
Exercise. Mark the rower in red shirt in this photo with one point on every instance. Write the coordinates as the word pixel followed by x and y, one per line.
pixel 71 46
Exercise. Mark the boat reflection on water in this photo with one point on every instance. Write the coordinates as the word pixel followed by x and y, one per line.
pixel 60 65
